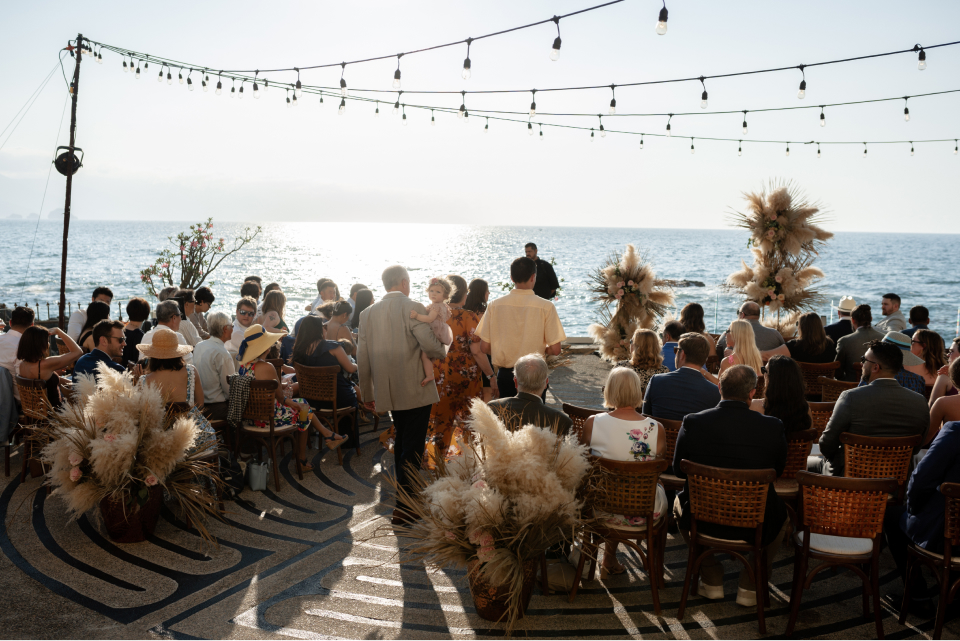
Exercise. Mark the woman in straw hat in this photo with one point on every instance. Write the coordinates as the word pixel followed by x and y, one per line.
pixel 294 411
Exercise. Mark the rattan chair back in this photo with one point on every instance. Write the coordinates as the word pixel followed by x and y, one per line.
pixel 578 415
pixel 628 487
pixel 33 398
pixel 839 506
pixel 260 406
pixel 317 383
pixel 737 498
pixel 799 446
pixel 812 372
pixel 831 389
pixel 761 386
pixel 872 457
pixel 671 428
pixel 713 364
pixel 821 413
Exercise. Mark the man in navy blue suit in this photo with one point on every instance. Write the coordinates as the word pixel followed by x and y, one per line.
pixel 683 391
pixel 109 338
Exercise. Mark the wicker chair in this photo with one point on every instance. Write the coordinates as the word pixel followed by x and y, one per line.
pixel 713 364
pixel 736 498
pixel 831 389
pixel 873 457
pixel 629 487
pixel 821 413
pixel 761 387
pixel 36 408
pixel 320 384
pixel 940 564
pixel 261 408
pixel 799 445
pixel 841 520
pixel 579 416
pixel 812 373
pixel 671 429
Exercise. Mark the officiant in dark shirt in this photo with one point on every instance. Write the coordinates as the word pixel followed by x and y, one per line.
pixel 547 283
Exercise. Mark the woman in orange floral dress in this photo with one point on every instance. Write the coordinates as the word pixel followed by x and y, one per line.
pixel 457 376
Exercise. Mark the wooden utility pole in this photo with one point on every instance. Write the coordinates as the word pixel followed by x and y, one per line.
pixel 78 55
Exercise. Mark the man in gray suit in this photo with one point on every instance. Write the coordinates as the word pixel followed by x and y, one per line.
pixel 852 347
pixel 881 408
pixel 391 371
pixel 531 375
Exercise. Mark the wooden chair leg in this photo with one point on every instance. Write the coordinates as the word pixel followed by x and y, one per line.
pixel 294 445
pixel 691 556
pixel 579 574
pixel 942 604
pixel 335 428
pixel 875 589
pixel 866 591
pixel 765 581
pixel 653 572
pixel 795 595
pixel 356 430
pixel 907 580
pixel 757 579
pixel 276 464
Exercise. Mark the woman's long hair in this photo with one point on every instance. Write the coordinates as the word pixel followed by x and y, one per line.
pixel 691 317
pixel 812 338
pixel 646 350
pixel 275 301
pixel 477 296
pixel 459 289
pixel 745 345
pixel 364 300
pixel 311 331
pixel 96 312
pixel 933 350
pixel 785 397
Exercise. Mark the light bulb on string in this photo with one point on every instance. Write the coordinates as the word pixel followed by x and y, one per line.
pixel 160 75
pixel 294 101
pixel 297 88
pixel 203 83
pixel 555 51
pixel 906 111
pixel 921 59
pixel 788 150
pixel 219 86
pixel 433 120
pixel 669 132
pixel 396 74
pixel 954 147
pixel 125 68
pixel 343 106
pixel 266 85
pixel 486 127
pixel 662 21
pixel 190 83
pixel 818 150
pixel 466 117
pixel 864 150
pixel 533 104
pixel 233 88
pixel 529 128
pixel 404 115
pixel 703 96
pixel 803 84
pixel 591 134
pixel 541 131
pixel 100 57
pixel 146 65
pixel 744 123
pixel 241 90
pixel 823 118
pixel 739 148
pixel 343 83
pixel 180 76
pixel 641 141
pixel 137 74
pixel 603 133
pixel 321 94
pixel 396 106
pixel 911 147
pixel 256 89
pixel 288 98
pixel 613 100
pixel 463 104
pixel 465 74
pixel 169 77
pixel 692 150
pixel 376 113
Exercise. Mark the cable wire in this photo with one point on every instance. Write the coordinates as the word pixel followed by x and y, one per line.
pixel 36 93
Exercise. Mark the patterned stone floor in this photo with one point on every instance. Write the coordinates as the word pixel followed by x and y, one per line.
pixel 304 563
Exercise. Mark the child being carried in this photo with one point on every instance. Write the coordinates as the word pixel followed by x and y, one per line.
pixel 437 315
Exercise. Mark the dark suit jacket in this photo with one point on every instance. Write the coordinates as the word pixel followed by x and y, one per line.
pixel 882 408
pixel 733 436
pixel 923 520
pixel 678 393
pixel 851 348
pixel 527 409
pixel 87 364
pixel 910 331
pixel 838 330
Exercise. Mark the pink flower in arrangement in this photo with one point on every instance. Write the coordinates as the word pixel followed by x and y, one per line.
pixel 619 292
pixel 779 279
pixel 110 438
pixel 781 297
pixel 630 282
pixel 481 484
pixel 75 474
pixel 620 284
pixel 450 535
pixel 772 215
pixel 151 480
pixel 474 537
pixel 75 459
pixel 486 541
pixel 485 554
pixel 771 233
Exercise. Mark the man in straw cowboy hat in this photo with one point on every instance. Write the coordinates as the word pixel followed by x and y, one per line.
pixel 390 372
pixel 842 327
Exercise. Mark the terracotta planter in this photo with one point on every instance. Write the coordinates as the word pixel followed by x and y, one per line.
pixel 131 525
pixel 491 600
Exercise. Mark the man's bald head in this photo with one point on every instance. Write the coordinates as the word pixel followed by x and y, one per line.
pixel 750 310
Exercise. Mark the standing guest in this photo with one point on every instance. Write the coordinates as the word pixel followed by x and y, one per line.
pixel 478 293
pixel 96 312
pixel 646 359
pixel 354 289
pixel 458 374
pixel 204 297
pixel 768 340
pixel 337 328
pixel 138 311
pixel 893 320
pixel 742 347
pixel 547 283
pixel 272 312
pixel 691 317
pixel 684 391
pixel 842 327
pixel 250 288
pixel 20 320
pixel 256 279
pixel 79 318
pixel 623 434
pixel 919 319
pixel 519 323
pixel 784 396
pixel 188 307
pixel 927 347
pixel 328 292
pixel 34 360
pixel 390 372
pixel 215 365
pixel 438 312
pixel 108 342
pixel 246 312
pixel 946 408
pixel 851 348
pixel 532 375
pixel 672 332
pixel 881 408
pixel 168 315
pixel 364 300
pixel 812 345
pixel 731 436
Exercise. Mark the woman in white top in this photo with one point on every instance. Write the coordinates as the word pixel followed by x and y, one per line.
pixel 623 434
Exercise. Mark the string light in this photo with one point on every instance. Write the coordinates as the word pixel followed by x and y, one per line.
pixel 670 116
pixel 641 142
pixel 906 110
pixel 788 150
pixel 233 89
pixel 739 148
pixel 703 96
pixel 803 84
pixel 955 147
pixel 256 88
pixel 294 101
pixel 692 150
pixel 189 80
pixel 343 106
pixel 529 128
pixel 297 88
pixel 823 119
pixel 466 117
pixel 180 76
pixel 486 127
pixel 662 20
pixel 377 112
pixel 138 72
pixel 921 59
pixel 744 123
pixel 591 134
pixel 613 100
pixel 125 69
pixel 533 104
pixel 266 87
pixel 603 134
pixel 864 150
pixel 343 83
pixel 541 133
pixel 396 74
pixel 818 150
pixel 203 83
pixel 321 95
pixel 463 105
pixel 396 106
pixel 99 57
pixel 219 86
pixel 433 121
pixel 288 98
pixel 555 51
pixel 465 74
pixel 404 115
pixel 911 147
pixel 160 75
pixel 169 77
pixel 241 89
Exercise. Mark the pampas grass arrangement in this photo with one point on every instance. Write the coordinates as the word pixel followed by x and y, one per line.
pixel 627 283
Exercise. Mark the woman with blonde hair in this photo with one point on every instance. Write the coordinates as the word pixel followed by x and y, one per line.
pixel 646 357
pixel 741 339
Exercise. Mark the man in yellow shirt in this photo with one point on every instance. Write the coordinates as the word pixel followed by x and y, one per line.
pixel 520 323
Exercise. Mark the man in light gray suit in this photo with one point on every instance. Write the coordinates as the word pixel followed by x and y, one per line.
pixel 852 347
pixel 390 371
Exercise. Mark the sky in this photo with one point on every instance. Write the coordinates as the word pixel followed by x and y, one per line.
pixel 154 151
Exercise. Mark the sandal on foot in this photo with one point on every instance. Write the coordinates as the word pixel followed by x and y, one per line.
pixel 333 443
pixel 611 571
pixel 304 466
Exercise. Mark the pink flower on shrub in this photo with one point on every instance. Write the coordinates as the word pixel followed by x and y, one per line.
pixel 110 438
pixel 485 554
pixel 75 459
pixel 620 284
pixel 450 535
pixel 165 265
pixel 193 243
pixel 75 474
pixel 182 247
pixel 151 480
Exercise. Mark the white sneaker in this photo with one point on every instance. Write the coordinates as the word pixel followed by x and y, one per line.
pixel 714 592
pixel 747 598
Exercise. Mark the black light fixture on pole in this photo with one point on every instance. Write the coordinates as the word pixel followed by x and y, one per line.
pixel 67 164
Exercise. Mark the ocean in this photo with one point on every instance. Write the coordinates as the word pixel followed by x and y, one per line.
pixel 296 255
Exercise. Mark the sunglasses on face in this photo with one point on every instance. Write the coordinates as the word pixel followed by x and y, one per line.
pixel 119 339
pixel 244 312
pixel 864 359
pixel 677 349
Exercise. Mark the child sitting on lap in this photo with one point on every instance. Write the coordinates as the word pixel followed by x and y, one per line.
pixel 437 314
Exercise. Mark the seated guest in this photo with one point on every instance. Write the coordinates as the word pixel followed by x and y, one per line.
pixel 108 339
pixel 252 289
pixel 851 348
pixel 328 292
pixel 842 327
pixel 246 312
pixel 646 358
pixel 946 408
pixel 168 315
pixel 672 332
pixel 623 434
pixel 908 380
pixel 881 408
pixel 214 365
pixel 34 360
pixel 812 345
pixel 731 436
pixel 204 297
pixel 927 348
pixel 272 312
pixel 768 340
pixel 337 328
pixel 784 395
pixel 921 520
pixel 96 312
pixel 526 408
pixel 893 320
pixel 919 319
pixel 944 386
pixel 364 300
pixel 138 311
pixel 691 317
pixel 684 391
pixel 20 320
pixel 188 306
pixel 78 319
pixel 742 347
pixel 167 293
